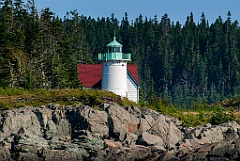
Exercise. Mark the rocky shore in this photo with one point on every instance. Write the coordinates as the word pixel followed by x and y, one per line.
pixel 110 133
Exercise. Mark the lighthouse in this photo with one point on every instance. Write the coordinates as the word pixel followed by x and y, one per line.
pixel 114 74
pixel 114 69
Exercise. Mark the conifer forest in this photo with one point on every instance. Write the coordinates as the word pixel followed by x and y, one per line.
pixel 181 63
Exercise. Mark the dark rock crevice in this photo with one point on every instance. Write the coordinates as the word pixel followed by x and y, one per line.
pixel 40 119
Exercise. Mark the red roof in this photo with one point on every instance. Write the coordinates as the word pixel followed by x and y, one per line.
pixel 90 75
pixel 133 70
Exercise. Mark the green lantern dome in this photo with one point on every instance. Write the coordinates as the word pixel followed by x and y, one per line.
pixel 114 43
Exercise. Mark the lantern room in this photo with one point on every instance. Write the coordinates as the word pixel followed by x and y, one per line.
pixel 114 52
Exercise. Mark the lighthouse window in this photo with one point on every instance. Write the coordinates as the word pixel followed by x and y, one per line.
pixel 117 49
pixel 114 49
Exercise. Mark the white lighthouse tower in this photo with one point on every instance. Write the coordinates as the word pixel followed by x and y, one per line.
pixel 114 69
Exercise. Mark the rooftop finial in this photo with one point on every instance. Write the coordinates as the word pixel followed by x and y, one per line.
pixel 114 36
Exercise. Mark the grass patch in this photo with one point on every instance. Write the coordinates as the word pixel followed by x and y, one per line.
pixel 11 91
pixel 15 98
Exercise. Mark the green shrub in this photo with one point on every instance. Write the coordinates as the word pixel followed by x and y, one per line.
pixel 190 120
pixel 221 117
pixel 201 114
pixel 195 119
pixel 165 108
pixel 11 91
pixel 3 106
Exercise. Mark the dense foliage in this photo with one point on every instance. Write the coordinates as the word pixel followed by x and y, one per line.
pixel 182 63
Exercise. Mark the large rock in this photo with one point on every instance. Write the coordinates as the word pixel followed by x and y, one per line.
pixel 53 122
pixel 144 125
pixel 121 121
pixel 13 120
pixel 96 121
pixel 167 130
pixel 5 154
pixel 130 139
pixel 113 144
pixel 63 155
pixel 214 134
pixel 86 118
pixel 149 140
pixel 221 150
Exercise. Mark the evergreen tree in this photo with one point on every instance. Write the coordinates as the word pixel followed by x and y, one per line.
pixel 183 63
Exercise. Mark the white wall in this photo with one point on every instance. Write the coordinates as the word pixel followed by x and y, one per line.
pixel 114 77
pixel 133 92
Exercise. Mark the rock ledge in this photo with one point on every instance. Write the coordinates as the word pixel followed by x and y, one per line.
pixel 113 133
